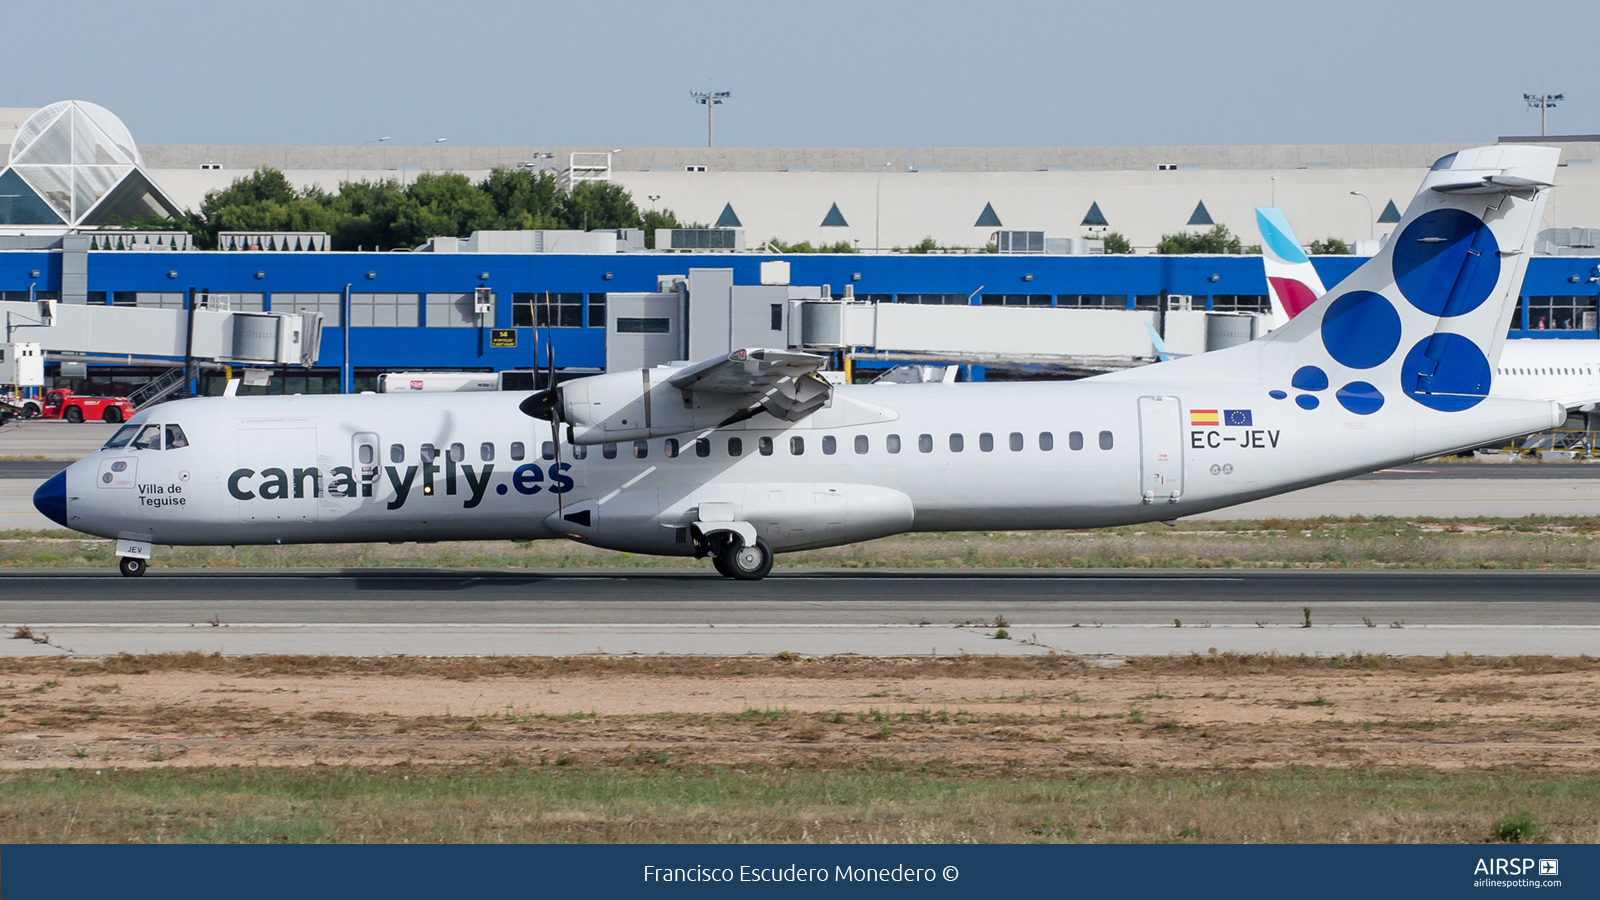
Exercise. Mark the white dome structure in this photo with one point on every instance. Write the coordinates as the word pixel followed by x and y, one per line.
pixel 74 165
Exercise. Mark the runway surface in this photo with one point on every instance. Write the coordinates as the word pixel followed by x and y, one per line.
pixel 516 612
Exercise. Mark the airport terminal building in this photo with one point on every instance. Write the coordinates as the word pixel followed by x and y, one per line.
pixel 1045 302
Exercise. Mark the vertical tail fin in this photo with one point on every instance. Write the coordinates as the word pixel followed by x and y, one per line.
pixel 1292 281
pixel 1426 317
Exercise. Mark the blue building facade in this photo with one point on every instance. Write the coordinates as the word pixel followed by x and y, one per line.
pixel 1558 295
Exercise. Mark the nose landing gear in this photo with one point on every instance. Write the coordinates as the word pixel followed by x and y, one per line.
pixel 132 566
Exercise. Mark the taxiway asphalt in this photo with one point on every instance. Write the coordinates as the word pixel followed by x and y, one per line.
pixel 913 612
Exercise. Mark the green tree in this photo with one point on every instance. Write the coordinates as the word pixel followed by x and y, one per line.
pixel 1116 242
pixel 441 205
pixel 264 200
pixel 1329 247
pixel 524 199
pixel 776 246
pixel 1217 240
pixel 599 204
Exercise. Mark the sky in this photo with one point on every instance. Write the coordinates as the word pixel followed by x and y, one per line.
pixel 819 73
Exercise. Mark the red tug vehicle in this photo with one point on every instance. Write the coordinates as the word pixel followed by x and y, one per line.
pixel 60 403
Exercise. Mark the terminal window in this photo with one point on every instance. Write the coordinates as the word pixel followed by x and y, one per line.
pixel 1561 313
pixel 1016 299
pixel 456 310
pixel 1101 301
pixel 327 304
pixel 934 299
pixel 384 310
pixel 1240 303
pixel 541 310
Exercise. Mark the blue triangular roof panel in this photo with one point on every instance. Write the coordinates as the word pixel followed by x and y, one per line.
pixel 988 219
pixel 1391 215
pixel 1200 216
pixel 834 218
pixel 1094 216
pixel 729 219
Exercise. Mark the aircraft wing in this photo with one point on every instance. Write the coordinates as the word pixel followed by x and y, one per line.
pixel 782 382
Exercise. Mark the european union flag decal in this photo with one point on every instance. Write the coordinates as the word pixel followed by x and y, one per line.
pixel 1237 417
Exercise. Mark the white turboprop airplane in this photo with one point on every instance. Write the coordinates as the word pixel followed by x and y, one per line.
pixel 756 453
pixel 1567 370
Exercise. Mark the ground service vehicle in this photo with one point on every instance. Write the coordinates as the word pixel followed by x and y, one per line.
pixel 61 403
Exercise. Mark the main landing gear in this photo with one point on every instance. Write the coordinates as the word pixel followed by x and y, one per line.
pixel 133 566
pixel 740 561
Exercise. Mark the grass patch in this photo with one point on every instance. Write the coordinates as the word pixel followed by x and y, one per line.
pixel 664 802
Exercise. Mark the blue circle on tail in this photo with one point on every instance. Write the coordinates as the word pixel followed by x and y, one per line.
pixel 1361 329
pixel 1446 372
pixel 1309 378
pixel 1446 262
pixel 1361 398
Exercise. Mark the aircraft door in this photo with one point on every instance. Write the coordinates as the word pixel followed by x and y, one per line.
pixel 286 481
pixel 1161 449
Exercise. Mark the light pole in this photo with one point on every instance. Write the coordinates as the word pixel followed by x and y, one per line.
pixel 351 161
pixel 877 211
pixel 710 100
pixel 1371 232
pixel 408 158
pixel 1542 102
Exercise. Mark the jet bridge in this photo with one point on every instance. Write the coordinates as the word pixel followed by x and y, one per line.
pixel 210 333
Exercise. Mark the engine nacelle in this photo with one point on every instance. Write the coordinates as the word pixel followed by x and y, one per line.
pixel 640 403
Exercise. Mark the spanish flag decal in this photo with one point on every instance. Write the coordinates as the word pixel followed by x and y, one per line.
pixel 1203 417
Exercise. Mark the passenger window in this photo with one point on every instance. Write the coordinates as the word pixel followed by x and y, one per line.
pixel 609 451
pixel 148 439
pixel 956 443
pixel 702 447
pixel 121 438
pixel 765 446
pixel 1047 441
pixel 518 451
pixel 397 453
pixel 364 454
pixel 986 442
pixel 176 440
pixel 641 449
pixel 670 448
pixel 861 443
pixel 829 446
pixel 735 446
pixel 1075 440
pixel 1016 441
pixel 458 452
pixel 548 450
pixel 797 446
pixel 486 451
pixel 429 453
pixel 892 443
pixel 1105 440
pixel 925 443
pixel 579 451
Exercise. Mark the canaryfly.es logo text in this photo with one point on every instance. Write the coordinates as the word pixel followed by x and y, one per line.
pixel 286 483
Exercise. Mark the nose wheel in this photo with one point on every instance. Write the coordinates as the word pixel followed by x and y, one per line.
pixel 132 566
pixel 744 562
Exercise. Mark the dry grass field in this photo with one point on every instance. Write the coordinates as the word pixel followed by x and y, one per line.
pixel 1215 748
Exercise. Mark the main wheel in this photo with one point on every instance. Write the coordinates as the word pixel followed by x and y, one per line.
pixel 749 563
pixel 74 415
pixel 132 566
pixel 113 415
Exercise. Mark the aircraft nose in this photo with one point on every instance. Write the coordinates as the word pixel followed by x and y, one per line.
pixel 51 499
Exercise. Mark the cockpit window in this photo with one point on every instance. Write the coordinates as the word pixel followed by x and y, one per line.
pixel 175 438
pixel 121 438
pixel 148 439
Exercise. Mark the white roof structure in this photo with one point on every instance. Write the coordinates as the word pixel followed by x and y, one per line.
pixel 74 165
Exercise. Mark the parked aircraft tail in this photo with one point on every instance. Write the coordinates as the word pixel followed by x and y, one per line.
pixel 1292 281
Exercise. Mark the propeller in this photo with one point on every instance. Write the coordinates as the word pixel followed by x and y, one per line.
pixel 546 404
pixel 553 401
